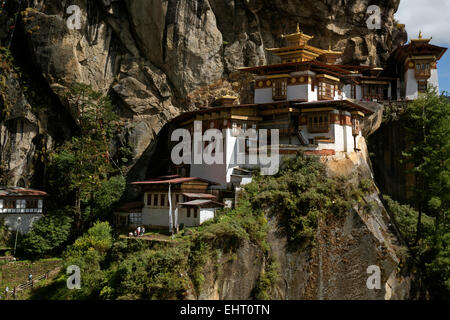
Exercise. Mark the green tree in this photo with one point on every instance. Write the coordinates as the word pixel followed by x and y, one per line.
pixel 4 234
pixel 82 170
pixel 427 124
pixel 47 236
pixel 88 252
pixel 428 136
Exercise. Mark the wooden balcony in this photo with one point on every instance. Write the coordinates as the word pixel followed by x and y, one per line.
pixel 319 128
pixel 423 74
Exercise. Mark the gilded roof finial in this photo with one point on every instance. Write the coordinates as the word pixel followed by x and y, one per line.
pixel 420 34
pixel 298 27
pixel 329 46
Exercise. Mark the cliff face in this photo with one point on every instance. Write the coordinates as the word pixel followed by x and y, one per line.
pixel 158 58
pixel 335 266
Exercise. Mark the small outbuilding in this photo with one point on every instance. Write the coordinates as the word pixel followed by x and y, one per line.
pixel 170 201
pixel 21 207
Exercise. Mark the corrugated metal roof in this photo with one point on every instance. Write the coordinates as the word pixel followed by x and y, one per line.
pixel 21 192
pixel 200 195
pixel 202 203
pixel 173 180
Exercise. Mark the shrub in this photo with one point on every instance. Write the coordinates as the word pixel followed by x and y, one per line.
pixel 406 219
pixel 152 274
pixel 299 195
pixel 266 281
pixel 4 234
pixel 47 236
pixel 97 238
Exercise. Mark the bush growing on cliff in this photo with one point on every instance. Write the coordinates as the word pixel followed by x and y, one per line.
pixel 266 281
pixel 406 219
pixel 299 195
pixel 151 274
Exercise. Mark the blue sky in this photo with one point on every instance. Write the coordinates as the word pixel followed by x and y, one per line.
pixel 433 18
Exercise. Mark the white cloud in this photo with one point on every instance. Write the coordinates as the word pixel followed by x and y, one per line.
pixel 430 16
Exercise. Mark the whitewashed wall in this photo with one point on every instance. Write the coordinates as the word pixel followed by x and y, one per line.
pixel 434 79
pixel 206 214
pixel 159 217
pixel 297 92
pixel 411 85
pixel 312 95
pixel 263 95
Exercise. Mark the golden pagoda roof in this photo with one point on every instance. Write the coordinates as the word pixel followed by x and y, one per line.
pixel 332 52
pixel 298 48
pixel 297 37
pixel 421 39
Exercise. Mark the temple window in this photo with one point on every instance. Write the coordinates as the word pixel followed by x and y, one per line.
pixel 162 203
pixel 10 204
pixel 136 218
pixel 188 212
pixel 422 86
pixel 318 122
pixel 279 89
pixel 195 213
pixel 375 92
pixel 423 69
pixel 326 91
pixel 356 126
pixel 31 204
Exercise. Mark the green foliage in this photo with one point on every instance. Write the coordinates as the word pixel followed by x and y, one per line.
pixel 439 268
pixel 98 239
pixel 88 252
pixel 152 274
pixel 299 195
pixel 82 171
pixel 426 227
pixel 428 136
pixel 4 234
pixel 47 236
pixel 267 280
pixel 406 219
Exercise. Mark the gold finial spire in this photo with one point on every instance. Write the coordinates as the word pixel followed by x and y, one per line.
pixel 420 34
pixel 329 46
pixel 298 27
